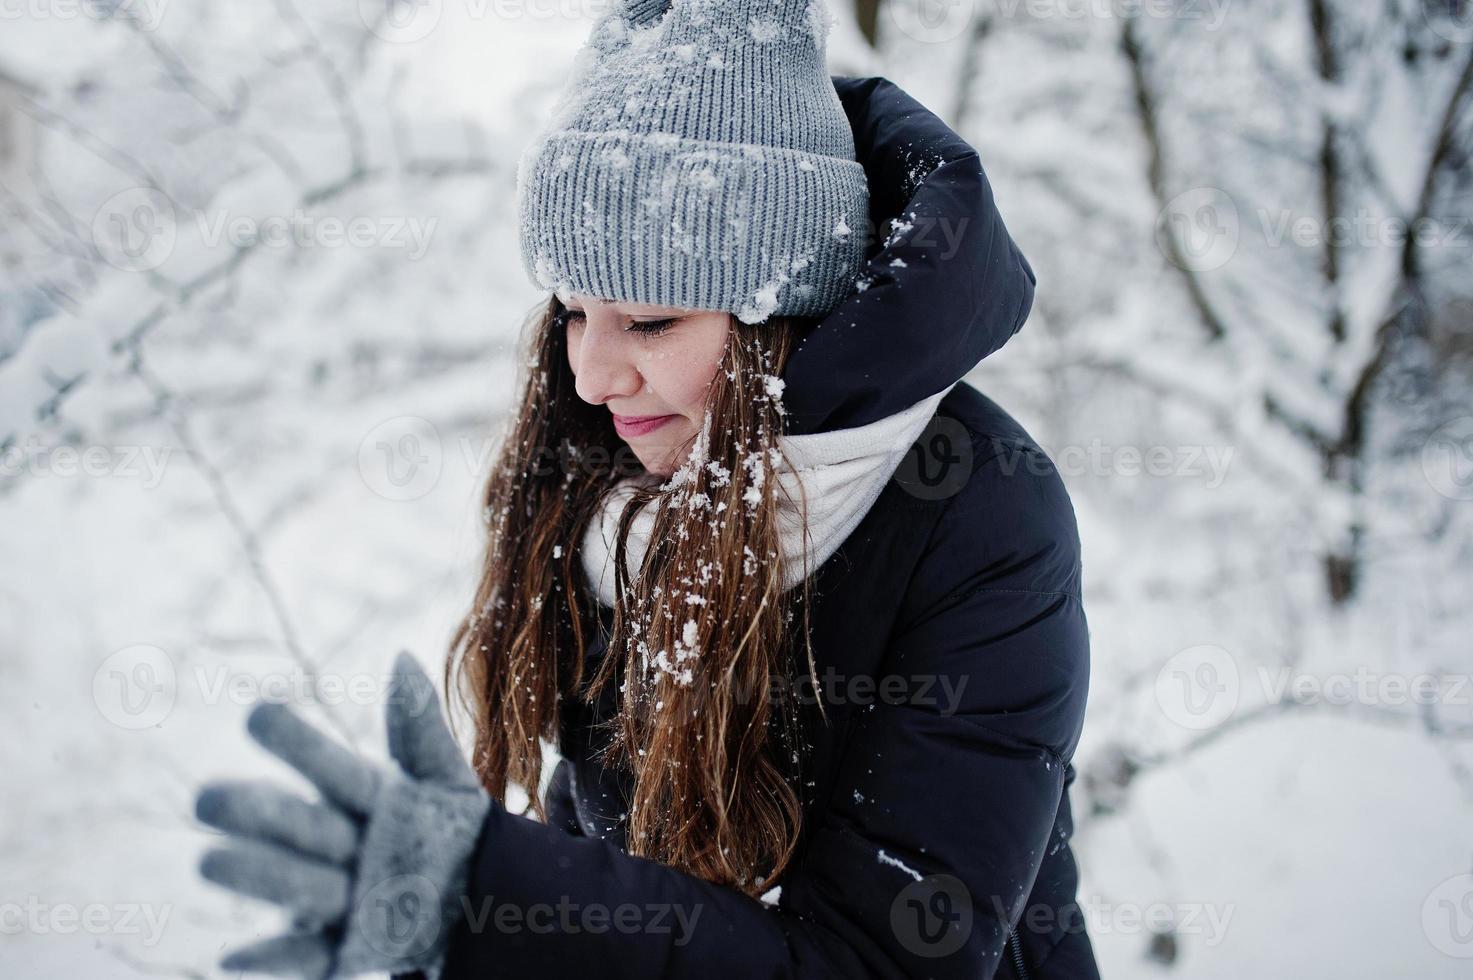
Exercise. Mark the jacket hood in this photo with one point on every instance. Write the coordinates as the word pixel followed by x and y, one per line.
pixel 943 284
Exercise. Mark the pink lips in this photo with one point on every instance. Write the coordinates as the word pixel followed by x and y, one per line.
pixel 638 425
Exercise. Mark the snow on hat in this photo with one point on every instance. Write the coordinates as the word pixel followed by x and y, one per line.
pixel 699 158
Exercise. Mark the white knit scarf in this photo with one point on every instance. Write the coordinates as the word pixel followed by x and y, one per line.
pixel 841 474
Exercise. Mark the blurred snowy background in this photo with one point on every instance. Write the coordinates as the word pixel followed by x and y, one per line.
pixel 259 291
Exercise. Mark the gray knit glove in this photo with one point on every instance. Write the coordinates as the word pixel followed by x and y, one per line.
pixel 373 875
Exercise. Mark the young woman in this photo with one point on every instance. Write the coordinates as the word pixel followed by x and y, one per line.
pixel 800 608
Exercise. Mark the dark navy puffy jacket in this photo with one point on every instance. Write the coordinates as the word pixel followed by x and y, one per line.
pixel 936 824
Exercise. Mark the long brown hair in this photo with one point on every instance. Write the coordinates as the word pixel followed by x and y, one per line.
pixel 700 633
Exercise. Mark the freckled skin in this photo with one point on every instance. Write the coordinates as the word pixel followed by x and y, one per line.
pixel 638 374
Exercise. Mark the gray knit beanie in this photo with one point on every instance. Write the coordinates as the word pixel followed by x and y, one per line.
pixel 699 158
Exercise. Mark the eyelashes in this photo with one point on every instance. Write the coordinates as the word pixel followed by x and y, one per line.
pixel 651 328
pixel 647 328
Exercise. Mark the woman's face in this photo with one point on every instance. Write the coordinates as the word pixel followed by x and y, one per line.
pixel 650 366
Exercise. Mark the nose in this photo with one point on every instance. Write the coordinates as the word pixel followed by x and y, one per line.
pixel 602 366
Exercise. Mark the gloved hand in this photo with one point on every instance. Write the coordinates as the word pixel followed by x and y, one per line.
pixel 374 874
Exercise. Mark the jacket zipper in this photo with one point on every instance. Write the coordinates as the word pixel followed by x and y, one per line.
pixel 1017 950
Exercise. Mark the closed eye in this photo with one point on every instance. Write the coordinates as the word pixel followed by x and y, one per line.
pixel 649 328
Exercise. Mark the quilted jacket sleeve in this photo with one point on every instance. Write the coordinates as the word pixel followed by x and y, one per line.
pixel 943 806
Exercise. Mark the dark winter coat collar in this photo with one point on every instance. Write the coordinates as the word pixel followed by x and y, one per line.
pixel 943 286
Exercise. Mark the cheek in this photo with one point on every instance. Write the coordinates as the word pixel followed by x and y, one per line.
pixel 681 371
